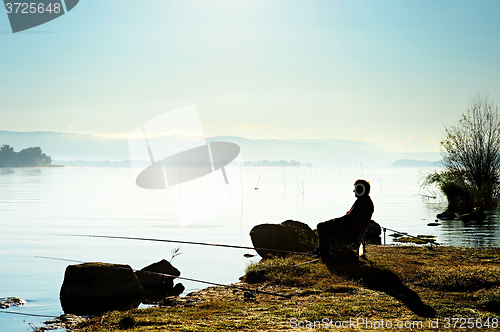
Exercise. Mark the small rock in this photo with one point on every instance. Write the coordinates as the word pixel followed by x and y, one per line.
pixel 178 289
pixel 446 215
pixel 249 296
pixel 156 286
pixel 127 322
pixel 7 302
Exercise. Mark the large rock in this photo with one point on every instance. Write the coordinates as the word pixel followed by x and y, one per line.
pixel 290 235
pixel 156 286
pixel 372 235
pixel 94 288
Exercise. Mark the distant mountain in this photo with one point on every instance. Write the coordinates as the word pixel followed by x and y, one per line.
pixel 321 152
pixel 358 145
pixel 334 152
pixel 415 163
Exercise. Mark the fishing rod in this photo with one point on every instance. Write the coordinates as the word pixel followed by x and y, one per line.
pixel 186 242
pixel 430 241
pixel 182 278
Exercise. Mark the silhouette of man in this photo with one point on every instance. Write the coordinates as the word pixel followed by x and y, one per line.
pixel 351 226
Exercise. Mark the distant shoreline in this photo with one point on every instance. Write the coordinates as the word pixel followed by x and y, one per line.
pixel 48 166
pixel 416 163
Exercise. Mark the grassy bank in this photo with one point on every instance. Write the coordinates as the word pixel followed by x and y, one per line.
pixel 407 285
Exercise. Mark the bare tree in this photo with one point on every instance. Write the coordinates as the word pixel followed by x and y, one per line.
pixel 471 156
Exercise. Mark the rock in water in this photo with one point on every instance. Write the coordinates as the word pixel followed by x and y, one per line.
pixel 290 235
pixel 7 302
pixel 157 287
pixel 94 288
pixel 446 215
pixel 476 215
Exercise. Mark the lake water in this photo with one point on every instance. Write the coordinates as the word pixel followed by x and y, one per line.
pixel 36 203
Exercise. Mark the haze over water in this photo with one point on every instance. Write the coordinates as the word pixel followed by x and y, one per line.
pixel 36 204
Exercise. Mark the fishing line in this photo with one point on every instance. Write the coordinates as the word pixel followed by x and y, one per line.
pixel 182 278
pixel 60 259
pixel 186 242
pixel 308 262
pixel 32 315
pixel 430 241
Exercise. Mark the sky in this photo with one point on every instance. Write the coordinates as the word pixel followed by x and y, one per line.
pixel 391 73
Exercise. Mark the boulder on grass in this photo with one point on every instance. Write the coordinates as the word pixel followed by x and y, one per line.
pixel 290 235
pixel 372 235
pixel 156 286
pixel 94 288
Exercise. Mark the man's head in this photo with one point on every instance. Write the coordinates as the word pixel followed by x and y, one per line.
pixel 361 188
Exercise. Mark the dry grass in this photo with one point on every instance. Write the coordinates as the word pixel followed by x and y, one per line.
pixel 396 284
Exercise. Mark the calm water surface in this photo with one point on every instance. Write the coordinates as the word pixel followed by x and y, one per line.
pixel 36 203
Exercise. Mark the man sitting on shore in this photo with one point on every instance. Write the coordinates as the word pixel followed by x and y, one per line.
pixel 350 227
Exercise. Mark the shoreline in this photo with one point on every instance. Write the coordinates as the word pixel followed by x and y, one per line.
pixel 394 284
pixel 49 166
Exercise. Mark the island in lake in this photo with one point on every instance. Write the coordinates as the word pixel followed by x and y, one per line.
pixel 29 157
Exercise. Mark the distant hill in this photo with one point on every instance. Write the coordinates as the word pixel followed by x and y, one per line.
pixel 415 163
pixel 358 145
pixel 321 152
pixel 333 152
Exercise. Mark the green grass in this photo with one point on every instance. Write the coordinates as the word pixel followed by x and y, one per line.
pixel 419 239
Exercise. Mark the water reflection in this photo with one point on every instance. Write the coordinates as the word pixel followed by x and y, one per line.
pixel 460 233
pixel 477 234
pixel 19 186
pixel 38 202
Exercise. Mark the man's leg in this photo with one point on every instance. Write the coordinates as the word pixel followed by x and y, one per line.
pixel 325 234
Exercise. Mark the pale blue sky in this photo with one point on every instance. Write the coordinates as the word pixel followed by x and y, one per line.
pixel 387 72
